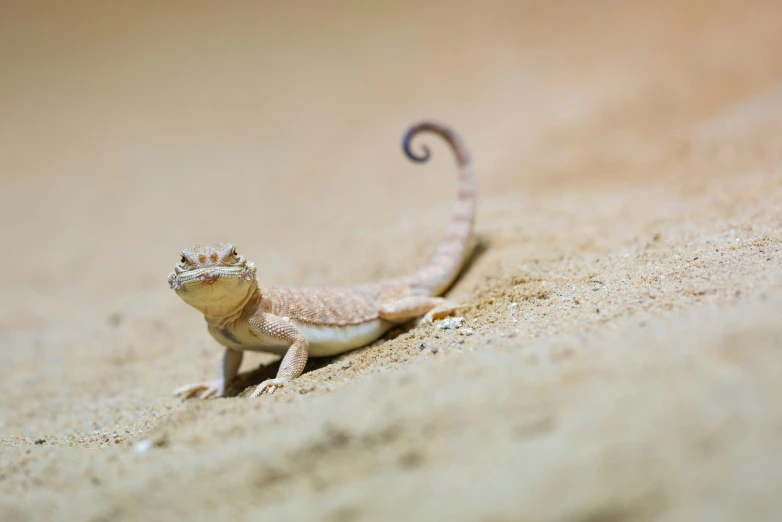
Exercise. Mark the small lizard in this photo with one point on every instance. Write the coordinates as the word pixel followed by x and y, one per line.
pixel 301 322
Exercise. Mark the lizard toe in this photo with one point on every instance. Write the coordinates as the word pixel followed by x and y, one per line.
pixel 200 390
pixel 267 387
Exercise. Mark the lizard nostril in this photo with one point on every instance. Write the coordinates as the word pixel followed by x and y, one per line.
pixel 202 258
pixel 214 257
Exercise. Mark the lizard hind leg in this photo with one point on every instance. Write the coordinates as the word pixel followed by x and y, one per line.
pixel 414 306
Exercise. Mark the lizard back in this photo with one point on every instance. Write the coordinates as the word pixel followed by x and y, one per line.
pixel 337 306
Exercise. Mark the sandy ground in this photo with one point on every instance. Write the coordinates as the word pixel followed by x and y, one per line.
pixel 625 356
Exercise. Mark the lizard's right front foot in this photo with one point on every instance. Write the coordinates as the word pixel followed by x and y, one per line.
pixel 202 390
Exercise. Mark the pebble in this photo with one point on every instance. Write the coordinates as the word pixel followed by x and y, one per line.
pixel 143 446
pixel 449 323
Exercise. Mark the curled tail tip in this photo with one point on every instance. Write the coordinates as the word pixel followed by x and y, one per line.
pixel 407 140
pixel 442 131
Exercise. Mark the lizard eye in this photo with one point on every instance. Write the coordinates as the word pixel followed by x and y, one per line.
pixel 182 261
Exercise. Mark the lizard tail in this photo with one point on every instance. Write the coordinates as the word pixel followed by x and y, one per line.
pixel 439 273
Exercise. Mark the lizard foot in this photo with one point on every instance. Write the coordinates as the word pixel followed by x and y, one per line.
pixel 202 390
pixel 440 312
pixel 267 387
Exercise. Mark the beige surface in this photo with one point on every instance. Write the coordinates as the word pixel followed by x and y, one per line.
pixel 625 359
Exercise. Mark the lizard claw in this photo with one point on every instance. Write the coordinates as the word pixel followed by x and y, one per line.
pixel 267 387
pixel 441 312
pixel 201 390
pixel 427 319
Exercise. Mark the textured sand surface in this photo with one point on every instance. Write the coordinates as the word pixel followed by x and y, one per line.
pixel 625 355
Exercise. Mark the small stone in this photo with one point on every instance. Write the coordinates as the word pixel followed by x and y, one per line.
pixel 449 323
pixel 423 345
pixel 143 446
pixel 465 331
pixel 433 349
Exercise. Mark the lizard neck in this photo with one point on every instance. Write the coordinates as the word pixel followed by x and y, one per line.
pixel 220 316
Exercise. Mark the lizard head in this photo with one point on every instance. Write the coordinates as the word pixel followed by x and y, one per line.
pixel 213 277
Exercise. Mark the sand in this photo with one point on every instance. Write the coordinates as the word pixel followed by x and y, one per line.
pixel 623 354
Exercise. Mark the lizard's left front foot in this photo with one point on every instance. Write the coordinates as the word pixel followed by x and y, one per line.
pixel 267 387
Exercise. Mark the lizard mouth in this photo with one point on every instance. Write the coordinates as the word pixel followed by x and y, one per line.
pixel 210 275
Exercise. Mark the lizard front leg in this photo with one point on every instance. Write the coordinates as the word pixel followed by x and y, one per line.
pixel 266 325
pixel 229 368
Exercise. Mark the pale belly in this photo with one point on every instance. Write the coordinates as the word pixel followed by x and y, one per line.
pixel 331 340
pixel 323 340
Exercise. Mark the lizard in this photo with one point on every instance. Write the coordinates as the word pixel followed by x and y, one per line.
pixel 241 314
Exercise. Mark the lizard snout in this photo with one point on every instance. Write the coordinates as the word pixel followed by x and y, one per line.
pixel 209 277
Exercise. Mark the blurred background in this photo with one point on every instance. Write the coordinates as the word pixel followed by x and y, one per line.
pixel 128 130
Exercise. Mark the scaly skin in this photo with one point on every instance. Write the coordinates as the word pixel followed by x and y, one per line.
pixel 301 322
